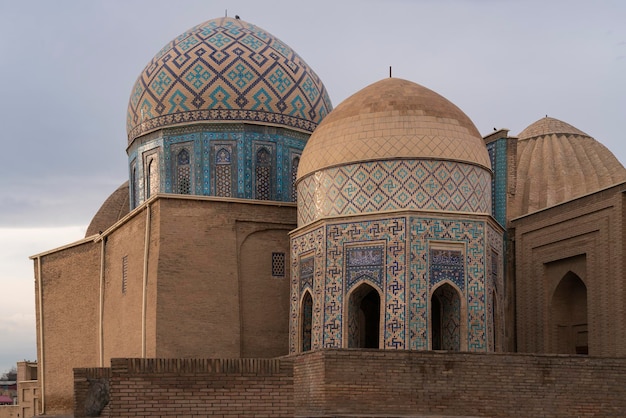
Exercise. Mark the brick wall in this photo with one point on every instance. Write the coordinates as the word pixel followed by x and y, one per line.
pixel 359 382
pixel 393 383
pixel 216 256
pixel 201 387
pixel 9 411
pixel 83 380
pixel 552 242
pixel 70 312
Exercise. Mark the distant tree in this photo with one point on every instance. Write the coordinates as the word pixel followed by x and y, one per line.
pixel 10 375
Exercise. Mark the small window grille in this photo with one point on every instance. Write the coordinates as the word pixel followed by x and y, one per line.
pixel 223 173
pixel 183 172
pixel 263 173
pixel 278 264
pixel 124 273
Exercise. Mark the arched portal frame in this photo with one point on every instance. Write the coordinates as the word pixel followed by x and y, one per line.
pixel 360 286
pixel 305 319
pixel 550 272
pixel 568 316
pixel 463 326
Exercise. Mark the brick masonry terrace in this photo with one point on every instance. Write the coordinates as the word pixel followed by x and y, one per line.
pixel 361 382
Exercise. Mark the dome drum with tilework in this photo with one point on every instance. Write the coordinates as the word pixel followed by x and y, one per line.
pixel 226 70
pixel 223 110
pixel 393 145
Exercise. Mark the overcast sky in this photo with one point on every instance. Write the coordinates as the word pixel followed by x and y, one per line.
pixel 67 67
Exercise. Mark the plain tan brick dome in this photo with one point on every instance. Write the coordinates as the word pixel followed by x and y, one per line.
pixel 391 119
pixel 557 162
pixel 112 210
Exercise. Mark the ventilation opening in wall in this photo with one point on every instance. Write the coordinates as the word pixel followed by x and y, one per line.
pixel 124 273
pixel 278 264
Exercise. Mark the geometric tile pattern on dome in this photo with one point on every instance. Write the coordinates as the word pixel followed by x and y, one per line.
pixel 350 151
pixel 392 119
pixel 393 185
pixel 226 70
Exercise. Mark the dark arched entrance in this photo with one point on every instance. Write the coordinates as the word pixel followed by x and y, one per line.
pixel 445 308
pixel 494 322
pixel 568 316
pixel 306 321
pixel 364 318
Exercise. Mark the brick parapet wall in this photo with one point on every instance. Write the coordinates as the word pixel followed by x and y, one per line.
pixel 82 383
pixel 201 387
pixel 374 383
pixel 399 383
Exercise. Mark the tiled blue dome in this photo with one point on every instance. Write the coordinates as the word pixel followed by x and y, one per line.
pixel 226 70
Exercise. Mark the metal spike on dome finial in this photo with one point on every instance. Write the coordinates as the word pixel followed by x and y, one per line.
pixel 390 71
pixel 225 12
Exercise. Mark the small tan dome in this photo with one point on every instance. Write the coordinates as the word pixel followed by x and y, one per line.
pixel 392 119
pixel 547 126
pixel 557 162
pixel 112 210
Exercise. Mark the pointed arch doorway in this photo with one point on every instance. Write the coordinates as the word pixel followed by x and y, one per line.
pixel 364 317
pixel 306 321
pixel 445 308
pixel 568 316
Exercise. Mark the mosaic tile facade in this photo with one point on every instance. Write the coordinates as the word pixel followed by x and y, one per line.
pixel 307 271
pixel 392 185
pixel 470 233
pixel 241 161
pixel 392 231
pixel 418 253
pixel 495 287
pixel 227 70
pixel 497 156
pixel 365 262
pixel 447 265
pixel 304 248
